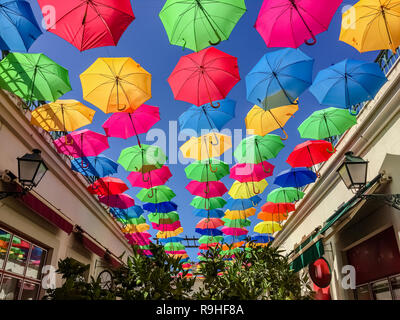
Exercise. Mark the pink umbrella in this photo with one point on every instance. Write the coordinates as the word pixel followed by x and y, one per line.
pixel 107 186
pixel 248 172
pixel 121 201
pixel 128 124
pixel 207 190
pixel 211 223
pixel 290 23
pixel 83 143
pixel 166 227
pixel 150 179
pixel 234 231
pixel 145 252
pixel 176 252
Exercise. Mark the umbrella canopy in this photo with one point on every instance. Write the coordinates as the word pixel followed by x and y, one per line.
pixel 136 221
pixel 206 147
pixel 375 25
pixel 135 228
pixel 234 231
pixel 233 239
pixel 107 186
pixel 209 189
pixel 210 239
pixel 209 223
pixel 116 84
pixel 213 213
pixel 156 194
pixel 240 214
pixel 83 143
pixel 249 172
pixel 199 24
pixel 208 204
pixel 284 23
pixel 204 77
pixel 159 217
pixel 295 177
pixel 121 201
pixel 142 159
pixel 243 204
pixel 279 78
pixel 97 166
pixel 261 122
pixel 89 24
pixel 207 170
pixel 285 195
pixel 262 239
pixel 347 83
pixel 166 227
pixel 204 118
pixel 131 212
pixel 150 179
pixel 326 123
pixel 310 153
pixel 33 77
pixel 172 239
pixel 256 149
pixel 174 246
pixel 268 216
pixel 246 190
pixel 162 207
pixel 284 208
pixel 209 232
pixel 169 234
pixel 18 26
pixel 62 115
pixel 236 223
pixel 267 227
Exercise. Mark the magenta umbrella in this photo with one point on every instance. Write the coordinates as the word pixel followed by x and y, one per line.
pixel 121 201
pixel 248 172
pixel 234 231
pixel 209 189
pixel 290 23
pixel 128 124
pixel 82 143
pixel 166 227
pixel 176 252
pixel 150 179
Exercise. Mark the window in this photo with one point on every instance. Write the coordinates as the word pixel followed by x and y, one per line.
pixel 21 263
pixel 383 289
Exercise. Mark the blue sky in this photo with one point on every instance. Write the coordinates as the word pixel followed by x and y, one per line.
pixel 146 42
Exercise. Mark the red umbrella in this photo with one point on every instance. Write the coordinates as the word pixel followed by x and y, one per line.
pixel 150 179
pixel 234 231
pixel 211 223
pixel 248 172
pixel 107 186
pixel 209 189
pixel 278 207
pixel 90 23
pixel 121 201
pixel 205 76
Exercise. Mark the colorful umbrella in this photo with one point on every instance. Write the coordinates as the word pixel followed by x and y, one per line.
pixel 347 83
pixel 135 228
pixel 284 23
pixel 209 189
pixel 157 217
pixel 326 123
pixel 208 204
pixel 234 231
pixel 206 147
pixel 249 172
pixel 121 201
pixel 261 122
pixel 107 186
pixel 162 207
pixel 207 170
pixel 210 239
pixel 89 24
pixel 150 179
pixel 209 223
pixel 240 214
pixel 267 227
pixel 257 149
pixel 83 143
pixel 279 78
pixel 171 239
pixel 268 216
pixel 174 246
pixel 142 159
pixel 278 208
pixel 198 24
pixel 116 84
pixel 98 166
pixel 295 177
pixel 285 195
pixel 236 223
pixel 374 25
pixel 261 239
pixel 131 212
pixel 213 213
pixel 209 232
pixel 204 118
pixel 33 76
pixel 62 115
pixel 169 234
pixel 136 221
pixel 156 194
pixel 233 239
pixel 204 77
pixel 167 227
pixel 246 190
pixel 243 204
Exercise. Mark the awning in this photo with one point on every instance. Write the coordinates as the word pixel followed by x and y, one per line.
pixel 92 246
pixel 311 254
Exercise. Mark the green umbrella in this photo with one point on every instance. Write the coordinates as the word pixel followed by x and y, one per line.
pixel 174 246
pixel 236 223
pixel 142 159
pixel 207 170
pixel 197 24
pixel 156 194
pixel 6 237
pixel 33 77
pixel 256 149
pixel 135 221
pixel 208 204
pixel 327 123
pixel 157 216
pixel 210 239
pixel 285 195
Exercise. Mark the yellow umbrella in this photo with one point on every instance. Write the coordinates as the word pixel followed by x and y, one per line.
pixel 267 227
pixel 234 245
pixel 131 228
pixel 169 234
pixel 62 115
pixel 261 122
pixel 210 145
pixel 246 190
pixel 240 214
pixel 253 245
pixel 179 256
pixel 372 25
pixel 116 84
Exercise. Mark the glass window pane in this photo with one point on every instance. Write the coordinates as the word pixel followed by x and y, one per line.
pixel 381 290
pixel 9 289
pixel 395 282
pixel 4 241
pixel 17 256
pixel 36 262
pixel 29 291
pixel 363 293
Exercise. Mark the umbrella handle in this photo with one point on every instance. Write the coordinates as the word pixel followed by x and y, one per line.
pixel 331 151
pixel 312 42
pixel 211 169
pixel 145 180
pixel 214 144
pixel 265 170
pixel 216 106
pixel 70 143
pixel 216 43
pixel 83 165
pixel 152 193
pixel 354 113
pixel 286 135
pixel 207 191
pixel 123 109
pixel 254 190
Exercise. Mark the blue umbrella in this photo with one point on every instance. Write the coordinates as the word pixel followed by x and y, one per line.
pixel 206 117
pixel 261 238
pixel 279 78
pixel 130 213
pixel 233 239
pixel 162 207
pixel 99 166
pixel 347 83
pixel 242 204
pixel 171 239
pixel 295 177
pixel 209 232
pixel 18 27
pixel 214 213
